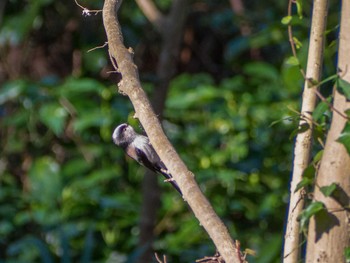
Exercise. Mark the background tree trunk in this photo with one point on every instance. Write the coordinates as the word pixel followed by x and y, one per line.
pixel 329 230
pixel 171 33
pixel 303 144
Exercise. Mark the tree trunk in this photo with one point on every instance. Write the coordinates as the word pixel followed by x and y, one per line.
pixel 329 230
pixel 171 33
pixel 303 144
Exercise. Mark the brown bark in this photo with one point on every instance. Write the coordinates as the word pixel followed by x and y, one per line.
pixel 329 231
pixel 130 86
pixel 303 144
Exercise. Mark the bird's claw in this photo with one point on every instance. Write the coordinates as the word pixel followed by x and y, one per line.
pixel 169 180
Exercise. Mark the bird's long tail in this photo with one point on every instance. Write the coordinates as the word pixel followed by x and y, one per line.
pixel 170 179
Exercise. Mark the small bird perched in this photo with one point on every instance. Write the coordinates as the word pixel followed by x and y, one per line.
pixel 139 148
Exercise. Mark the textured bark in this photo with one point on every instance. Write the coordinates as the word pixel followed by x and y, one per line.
pixel 329 231
pixel 303 144
pixel 130 86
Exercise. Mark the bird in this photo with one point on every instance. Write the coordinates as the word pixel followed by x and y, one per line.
pixel 139 148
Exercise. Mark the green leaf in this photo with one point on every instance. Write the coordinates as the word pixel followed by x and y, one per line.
pixel 193 98
pixel 328 190
pixel 320 109
pixel 286 20
pixel 304 182
pixel 45 182
pixel 73 88
pixel 335 76
pixel 297 43
pixel 293 61
pixel 11 90
pixel 289 119
pixel 347 254
pixel 343 87
pixel 302 128
pixel 29 243
pixel 308 177
pixel 261 70
pixel 344 137
pixel 318 157
pixel 299 4
pixel 54 117
pixel 92 118
pixel 270 250
pixel 310 211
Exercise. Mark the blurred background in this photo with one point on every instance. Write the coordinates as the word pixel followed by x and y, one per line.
pixel 67 194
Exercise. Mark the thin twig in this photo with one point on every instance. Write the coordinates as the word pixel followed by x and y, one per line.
pixel 318 93
pixel 159 260
pixel 86 11
pixel 98 47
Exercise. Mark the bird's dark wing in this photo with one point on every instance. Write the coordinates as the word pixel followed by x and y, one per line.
pixel 145 153
pixel 147 156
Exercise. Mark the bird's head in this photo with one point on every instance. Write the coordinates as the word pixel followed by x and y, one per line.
pixel 123 135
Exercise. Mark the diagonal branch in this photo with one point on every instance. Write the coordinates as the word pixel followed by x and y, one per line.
pixel 130 86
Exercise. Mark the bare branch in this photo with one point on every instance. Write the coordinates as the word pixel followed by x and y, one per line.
pixel 98 47
pixel 159 260
pixel 130 85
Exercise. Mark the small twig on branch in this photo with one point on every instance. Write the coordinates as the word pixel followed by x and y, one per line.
pixel 98 47
pixel 217 258
pixel 318 93
pixel 159 260
pixel 86 11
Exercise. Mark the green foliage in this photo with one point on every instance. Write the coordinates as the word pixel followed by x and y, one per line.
pixel 74 170
pixel 311 210
pixel 16 27
pixel 293 61
pixel 347 254
pixel 68 194
pixel 329 189
pixel 343 87
pixel 233 154
pixel 307 179
pixel 321 109
pixel 344 137
pixel 60 131
pixel 286 20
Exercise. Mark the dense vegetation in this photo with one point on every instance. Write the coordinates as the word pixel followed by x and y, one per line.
pixel 68 194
